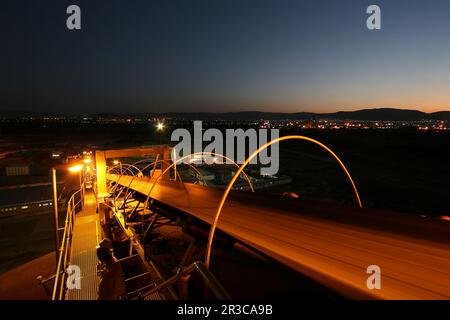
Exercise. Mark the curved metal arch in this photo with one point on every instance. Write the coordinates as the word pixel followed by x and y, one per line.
pixel 127 167
pixel 114 168
pixel 204 153
pixel 185 157
pixel 253 155
pixel 193 167
pixel 190 155
pixel 154 163
pixel 214 154
pixel 167 161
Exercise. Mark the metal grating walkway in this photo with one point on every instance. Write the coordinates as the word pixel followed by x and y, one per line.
pixel 85 239
pixel 154 296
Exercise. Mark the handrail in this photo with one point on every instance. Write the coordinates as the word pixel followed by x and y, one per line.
pixel 66 244
pixel 199 267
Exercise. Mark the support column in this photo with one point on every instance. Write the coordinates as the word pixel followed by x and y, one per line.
pixel 100 163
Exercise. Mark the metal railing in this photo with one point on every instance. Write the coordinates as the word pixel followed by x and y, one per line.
pixel 209 279
pixel 66 245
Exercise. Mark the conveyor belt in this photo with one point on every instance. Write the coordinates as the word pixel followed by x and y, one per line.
pixel 330 244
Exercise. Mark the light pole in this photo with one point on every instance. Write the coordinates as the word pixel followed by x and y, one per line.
pixel 55 211
pixel 77 168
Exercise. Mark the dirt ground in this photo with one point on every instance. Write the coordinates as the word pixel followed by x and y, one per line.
pixel 24 238
pixel 21 283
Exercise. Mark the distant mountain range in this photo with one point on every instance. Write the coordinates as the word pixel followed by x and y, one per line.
pixel 386 114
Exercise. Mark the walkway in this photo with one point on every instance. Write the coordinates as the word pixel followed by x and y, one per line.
pixel 85 239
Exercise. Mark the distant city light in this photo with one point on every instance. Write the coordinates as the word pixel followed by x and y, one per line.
pixel 160 126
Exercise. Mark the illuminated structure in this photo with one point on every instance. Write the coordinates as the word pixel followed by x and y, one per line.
pixel 330 245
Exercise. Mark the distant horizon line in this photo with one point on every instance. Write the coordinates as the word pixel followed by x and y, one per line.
pixel 375 114
pixel 11 112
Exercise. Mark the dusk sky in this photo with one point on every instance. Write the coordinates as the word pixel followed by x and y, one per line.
pixel 224 55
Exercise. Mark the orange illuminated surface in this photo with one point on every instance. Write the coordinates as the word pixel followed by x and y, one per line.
pixel 330 244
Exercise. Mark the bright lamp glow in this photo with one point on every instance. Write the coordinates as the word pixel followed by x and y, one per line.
pixel 160 126
pixel 116 162
pixel 76 168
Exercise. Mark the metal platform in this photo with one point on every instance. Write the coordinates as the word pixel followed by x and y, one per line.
pixel 85 239
pixel 154 296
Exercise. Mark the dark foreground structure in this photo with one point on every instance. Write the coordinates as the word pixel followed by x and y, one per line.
pixel 265 245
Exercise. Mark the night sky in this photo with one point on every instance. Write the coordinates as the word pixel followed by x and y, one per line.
pixel 224 55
